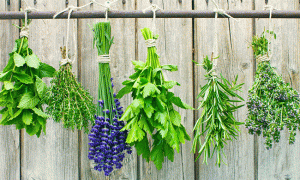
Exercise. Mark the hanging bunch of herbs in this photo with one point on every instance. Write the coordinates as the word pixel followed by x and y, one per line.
pixel 272 104
pixel 107 142
pixel 68 101
pixel 23 89
pixel 152 112
pixel 217 121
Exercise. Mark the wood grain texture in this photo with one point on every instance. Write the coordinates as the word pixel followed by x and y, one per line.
pixel 54 155
pixel 282 161
pixel 235 59
pixel 10 137
pixel 122 52
pixel 174 46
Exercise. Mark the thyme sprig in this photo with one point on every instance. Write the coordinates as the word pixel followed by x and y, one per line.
pixel 217 121
pixel 68 101
pixel 272 104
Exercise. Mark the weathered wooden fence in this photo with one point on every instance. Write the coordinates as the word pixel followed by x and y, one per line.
pixel 62 154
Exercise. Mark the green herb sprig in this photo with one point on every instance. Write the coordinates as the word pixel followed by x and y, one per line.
pixel 23 89
pixel 152 112
pixel 272 104
pixel 68 101
pixel 217 121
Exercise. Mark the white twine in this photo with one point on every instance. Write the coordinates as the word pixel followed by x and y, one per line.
pixel 150 43
pixel 70 9
pixel 104 58
pixel 263 58
pixel 153 8
pixel 25 30
pixel 107 5
pixel 270 45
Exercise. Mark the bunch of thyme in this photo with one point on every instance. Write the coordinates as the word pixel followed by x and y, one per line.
pixel 68 101
pixel 272 104
pixel 217 121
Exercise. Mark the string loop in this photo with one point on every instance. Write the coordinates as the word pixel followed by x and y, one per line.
pixel 25 30
pixel 107 5
pixel 153 8
pixel 270 45
pixel 70 9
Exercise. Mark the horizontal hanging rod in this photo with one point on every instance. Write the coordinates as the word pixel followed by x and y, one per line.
pixel 149 14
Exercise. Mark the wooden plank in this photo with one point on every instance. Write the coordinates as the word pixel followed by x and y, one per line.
pixel 10 137
pixel 282 161
pixel 235 58
pixel 174 47
pixel 55 155
pixel 122 52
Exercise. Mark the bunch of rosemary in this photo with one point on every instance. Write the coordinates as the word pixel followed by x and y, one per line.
pixel 217 121
pixel 107 143
pixel 272 104
pixel 152 112
pixel 23 90
pixel 68 101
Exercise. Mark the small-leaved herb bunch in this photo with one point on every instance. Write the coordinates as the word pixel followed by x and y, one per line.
pixel 107 142
pixel 272 104
pixel 152 112
pixel 68 101
pixel 217 121
pixel 23 89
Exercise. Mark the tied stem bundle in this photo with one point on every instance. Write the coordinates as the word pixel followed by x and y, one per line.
pixel 217 121
pixel 152 113
pixel 107 142
pixel 272 104
pixel 22 94
pixel 68 101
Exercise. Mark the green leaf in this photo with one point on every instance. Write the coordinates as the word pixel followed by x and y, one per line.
pixel 24 78
pixel 143 124
pixel 135 134
pixel 123 91
pixel 27 117
pixel 175 118
pixel 19 60
pixel 33 129
pixel 46 70
pixel 170 84
pixel 8 85
pixel 16 114
pixel 162 117
pixel 10 65
pixel 172 138
pixel 150 90
pixel 142 147
pixel 43 122
pixel 169 152
pixel 40 113
pixel 170 68
pixel 28 101
pixel 128 114
pixel 136 105
pixel 157 155
pixel 177 101
pixel 5 117
pixel 139 64
pixel 32 61
pixel 148 109
pixel 41 87
pixel 5 76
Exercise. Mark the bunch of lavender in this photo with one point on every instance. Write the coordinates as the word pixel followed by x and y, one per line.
pixel 272 104
pixel 107 143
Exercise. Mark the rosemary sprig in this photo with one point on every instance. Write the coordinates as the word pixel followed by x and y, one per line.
pixel 217 121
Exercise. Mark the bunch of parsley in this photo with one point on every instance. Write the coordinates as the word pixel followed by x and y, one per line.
pixel 152 113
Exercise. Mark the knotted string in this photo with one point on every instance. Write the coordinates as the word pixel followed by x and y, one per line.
pixel 268 56
pixel 107 5
pixel 25 30
pixel 153 8
pixel 70 9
